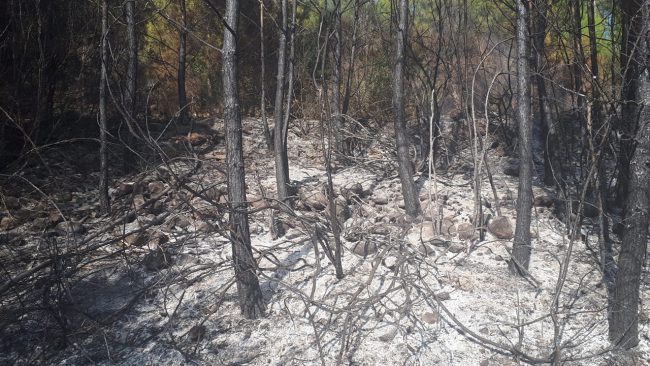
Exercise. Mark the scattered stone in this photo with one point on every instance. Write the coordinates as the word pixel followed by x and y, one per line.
pixel 124 189
pixel 314 201
pixel 498 258
pixel 380 200
pixel 41 224
pixel 62 197
pixel 390 334
pixel 380 230
pixel 421 233
pixel 8 223
pixel 365 248
pixel 501 227
pixel 156 188
pixel 456 247
pixel 203 227
pixel 543 201
pixel 426 250
pixel 343 212
pixel 138 201
pixel 138 239
pixel 440 242
pixel 443 296
pixel 511 167
pixel 156 260
pixel 430 317
pixel 197 333
pixel 157 207
pixel 484 330
pixel 183 223
pixel 447 227
pixel 70 228
pixel 11 203
pixel 466 231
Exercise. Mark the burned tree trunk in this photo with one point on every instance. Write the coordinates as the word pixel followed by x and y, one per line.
pixel 411 201
pixel 183 108
pixel 280 147
pixel 624 305
pixel 131 85
pixel 104 200
pixel 250 296
pixel 521 247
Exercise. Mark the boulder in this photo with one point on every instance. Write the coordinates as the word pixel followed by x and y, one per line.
pixel 156 259
pixel 543 201
pixel 315 201
pixel 70 228
pixel 11 203
pixel 8 223
pixel 466 231
pixel 365 248
pixel 511 167
pixel 501 227
pixel 156 188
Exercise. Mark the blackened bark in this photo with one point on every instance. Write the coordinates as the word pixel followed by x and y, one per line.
pixel 250 296
pixel 184 115
pixel 281 157
pixel 598 142
pixel 630 26
pixel 411 201
pixel 265 122
pixel 336 87
pixel 521 247
pixel 548 129
pixel 353 55
pixel 624 319
pixel 131 84
pixel 104 200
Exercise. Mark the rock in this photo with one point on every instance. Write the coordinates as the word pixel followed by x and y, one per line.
pixel 156 260
pixel 41 224
pixel 422 233
pixel 8 223
pixel 443 296
pixel 543 201
pixel 430 317
pixel 138 201
pixel 389 335
pixel 380 200
pixel 314 201
pixel 70 228
pixel 426 250
pixel 380 230
pixel 447 228
pixel 440 242
pixel 182 222
pixel 466 231
pixel 138 239
pixel 123 189
pixel 511 167
pixel 157 207
pixel 343 212
pixel 357 189
pixel 62 197
pixel 500 151
pixel 618 229
pixel 196 333
pixel 11 203
pixel 501 227
pixel 365 248
pixel 456 248
pixel 156 188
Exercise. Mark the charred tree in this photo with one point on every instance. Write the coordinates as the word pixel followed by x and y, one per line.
pixel 265 122
pixel 131 84
pixel 183 108
pixel 411 201
pixel 279 143
pixel 104 200
pixel 251 301
pixel 624 305
pixel 521 247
